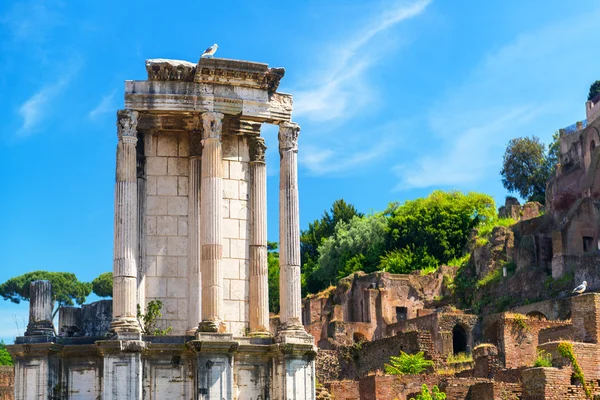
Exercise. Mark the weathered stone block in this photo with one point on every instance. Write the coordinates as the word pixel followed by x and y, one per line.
pixel 156 166
pixel 167 145
pixel 230 268
pixel 238 170
pixel 178 166
pixel 182 186
pixel 231 310
pixel 177 206
pixel 166 186
pixel 231 228
pixel 166 266
pixel 156 287
pixel 156 245
pixel 177 287
pixel 177 245
pixel 166 225
pixel 182 226
pixel 239 249
pixel 156 205
pixel 230 189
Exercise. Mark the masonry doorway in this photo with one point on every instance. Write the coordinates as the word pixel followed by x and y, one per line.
pixel 459 339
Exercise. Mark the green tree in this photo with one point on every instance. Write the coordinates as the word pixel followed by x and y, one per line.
pixel 525 168
pixel 66 288
pixel 102 285
pixel 434 228
pixel 594 90
pixel 552 157
pixel 317 232
pixel 407 364
pixel 434 395
pixel 5 358
pixel 273 280
pixel 354 245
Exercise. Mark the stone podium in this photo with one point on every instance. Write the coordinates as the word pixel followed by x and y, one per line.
pixel 190 231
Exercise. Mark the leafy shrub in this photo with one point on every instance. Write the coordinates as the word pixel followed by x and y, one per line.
pixel 408 364
pixel 543 359
pixel 5 358
pixel 434 395
pixel 149 320
pixel 566 350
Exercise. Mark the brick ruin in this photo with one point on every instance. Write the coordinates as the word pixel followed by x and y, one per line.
pixel 365 319
pixel 190 231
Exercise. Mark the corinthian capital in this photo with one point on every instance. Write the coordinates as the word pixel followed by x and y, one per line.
pixel 127 121
pixel 288 136
pixel 212 122
pixel 257 149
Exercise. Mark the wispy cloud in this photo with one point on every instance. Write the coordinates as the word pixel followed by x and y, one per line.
pixel 106 105
pixel 37 107
pixel 346 72
pixel 31 21
pixel 515 91
pixel 322 161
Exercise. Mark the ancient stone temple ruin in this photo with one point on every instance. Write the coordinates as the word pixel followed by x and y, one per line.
pixel 190 231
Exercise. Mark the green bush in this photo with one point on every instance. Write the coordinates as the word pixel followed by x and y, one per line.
pixel 543 359
pixel 434 395
pixel 408 364
pixel 566 350
pixel 5 358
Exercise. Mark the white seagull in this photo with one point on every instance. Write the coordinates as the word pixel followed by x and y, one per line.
pixel 581 288
pixel 210 52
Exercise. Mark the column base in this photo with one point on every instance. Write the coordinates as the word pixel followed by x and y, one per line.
pixel 211 327
pixel 126 328
pixel 294 368
pixel 260 334
pixel 43 328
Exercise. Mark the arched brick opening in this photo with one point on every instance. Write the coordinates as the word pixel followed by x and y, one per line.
pixel 459 339
pixel 537 315
pixel 359 337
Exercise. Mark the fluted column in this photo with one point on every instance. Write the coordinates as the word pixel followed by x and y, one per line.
pixel 194 281
pixel 289 228
pixel 259 286
pixel 126 227
pixel 40 309
pixel 211 194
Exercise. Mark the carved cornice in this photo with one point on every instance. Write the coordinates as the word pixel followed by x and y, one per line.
pixel 212 124
pixel 127 121
pixel 288 136
pixel 170 70
pixel 257 149
pixel 238 73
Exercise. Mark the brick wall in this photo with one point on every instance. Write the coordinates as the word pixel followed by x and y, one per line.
pixel 520 338
pixel 7 381
pixel 586 317
pixel 344 390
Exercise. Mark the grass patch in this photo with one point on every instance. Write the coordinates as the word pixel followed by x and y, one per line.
pixel 566 350
pixel 459 358
pixel 459 261
pixel 427 271
pixel 493 276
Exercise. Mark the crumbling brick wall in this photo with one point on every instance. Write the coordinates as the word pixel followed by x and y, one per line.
pixel 7 382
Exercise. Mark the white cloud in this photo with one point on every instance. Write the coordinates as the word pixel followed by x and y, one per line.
pixel 32 21
pixel 337 89
pixel 321 161
pixel 37 107
pixel 106 105
pixel 518 90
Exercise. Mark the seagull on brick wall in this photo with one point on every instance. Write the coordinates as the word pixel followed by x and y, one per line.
pixel 210 52
pixel 581 288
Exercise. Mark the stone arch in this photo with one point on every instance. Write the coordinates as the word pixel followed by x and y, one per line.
pixel 359 337
pixel 459 339
pixel 537 315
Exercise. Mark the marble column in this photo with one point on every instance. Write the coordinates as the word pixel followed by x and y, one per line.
pixel 289 229
pixel 211 199
pixel 194 281
pixel 124 320
pixel 259 286
pixel 40 309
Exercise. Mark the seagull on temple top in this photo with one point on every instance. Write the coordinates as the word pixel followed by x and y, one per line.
pixel 210 52
pixel 581 288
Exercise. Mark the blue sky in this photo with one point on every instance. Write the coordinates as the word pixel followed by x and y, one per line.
pixel 394 98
